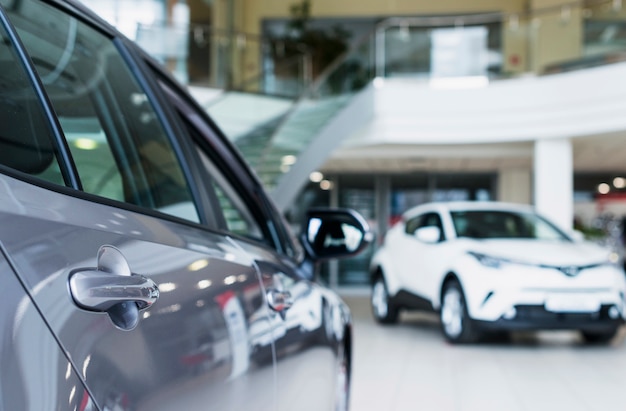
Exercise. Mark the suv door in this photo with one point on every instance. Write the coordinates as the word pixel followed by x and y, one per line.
pixel 423 277
pixel 97 210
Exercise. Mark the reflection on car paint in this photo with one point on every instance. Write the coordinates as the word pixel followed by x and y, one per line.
pixel 237 332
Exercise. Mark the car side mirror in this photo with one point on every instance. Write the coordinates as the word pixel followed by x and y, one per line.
pixel 428 235
pixel 334 233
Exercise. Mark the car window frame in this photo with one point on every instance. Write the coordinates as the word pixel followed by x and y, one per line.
pixel 226 157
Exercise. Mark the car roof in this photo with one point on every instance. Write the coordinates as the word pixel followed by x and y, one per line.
pixel 447 206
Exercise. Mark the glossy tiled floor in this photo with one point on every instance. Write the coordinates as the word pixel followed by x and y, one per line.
pixel 408 366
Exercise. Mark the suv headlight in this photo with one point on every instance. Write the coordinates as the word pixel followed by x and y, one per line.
pixel 487 260
pixel 613 258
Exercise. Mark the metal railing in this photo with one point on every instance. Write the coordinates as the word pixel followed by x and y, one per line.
pixel 572 35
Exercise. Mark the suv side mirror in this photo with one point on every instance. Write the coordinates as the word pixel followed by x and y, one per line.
pixel 430 235
pixel 334 233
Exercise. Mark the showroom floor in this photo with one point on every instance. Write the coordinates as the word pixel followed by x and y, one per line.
pixel 408 366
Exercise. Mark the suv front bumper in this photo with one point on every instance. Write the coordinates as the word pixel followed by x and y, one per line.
pixel 536 317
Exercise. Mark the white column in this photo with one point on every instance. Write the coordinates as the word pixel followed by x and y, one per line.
pixel 554 181
pixel 515 185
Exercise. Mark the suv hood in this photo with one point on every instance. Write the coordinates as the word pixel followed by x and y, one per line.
pixel 554 253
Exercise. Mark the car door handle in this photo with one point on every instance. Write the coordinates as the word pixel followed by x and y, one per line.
pixel 113 288
pixel 279 301
pixel 98 290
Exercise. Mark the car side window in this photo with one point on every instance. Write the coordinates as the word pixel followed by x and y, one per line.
pixel 26 140
pixel 412 225
pixel 119 146
pixel 238 217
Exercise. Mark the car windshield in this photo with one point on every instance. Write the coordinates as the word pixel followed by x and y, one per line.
pixel 504 224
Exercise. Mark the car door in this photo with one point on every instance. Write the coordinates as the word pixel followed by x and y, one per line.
pixel 305 329
pixel 304 319
pixel 108 232
pixel 35 371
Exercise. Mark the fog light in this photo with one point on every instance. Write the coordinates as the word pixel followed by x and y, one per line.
pixel 510 314
pixel 613 312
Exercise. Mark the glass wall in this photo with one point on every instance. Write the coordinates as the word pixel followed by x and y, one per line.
pixel 411 191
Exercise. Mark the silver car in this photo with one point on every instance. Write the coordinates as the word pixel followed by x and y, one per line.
pixel 141 264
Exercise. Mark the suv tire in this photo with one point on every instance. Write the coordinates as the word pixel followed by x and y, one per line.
pixel 383 308
pixel 456 324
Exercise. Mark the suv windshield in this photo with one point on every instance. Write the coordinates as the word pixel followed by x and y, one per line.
pixel 504 224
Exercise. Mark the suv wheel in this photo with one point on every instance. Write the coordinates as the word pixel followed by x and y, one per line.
pixel 456 324
pixel 384 310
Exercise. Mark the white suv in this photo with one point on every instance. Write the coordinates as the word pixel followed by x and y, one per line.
pixel 492 266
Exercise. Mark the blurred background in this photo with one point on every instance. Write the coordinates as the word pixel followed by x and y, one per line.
pixel 381 106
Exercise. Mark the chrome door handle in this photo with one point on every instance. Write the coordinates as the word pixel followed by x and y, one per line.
pixel 113 288
pixel 98 290
pixel 279 301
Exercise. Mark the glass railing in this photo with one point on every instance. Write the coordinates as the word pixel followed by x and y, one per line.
pixel 202 56
pixel 571 35
pixel 558 38
pixel 519 40
pixel 333 90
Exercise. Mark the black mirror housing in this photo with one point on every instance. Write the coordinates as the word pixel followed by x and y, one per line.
pixel 329 233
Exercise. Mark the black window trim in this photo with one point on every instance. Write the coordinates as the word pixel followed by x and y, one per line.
pixel 62 151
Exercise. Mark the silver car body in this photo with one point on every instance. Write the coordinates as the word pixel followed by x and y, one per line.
pixel 138 252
